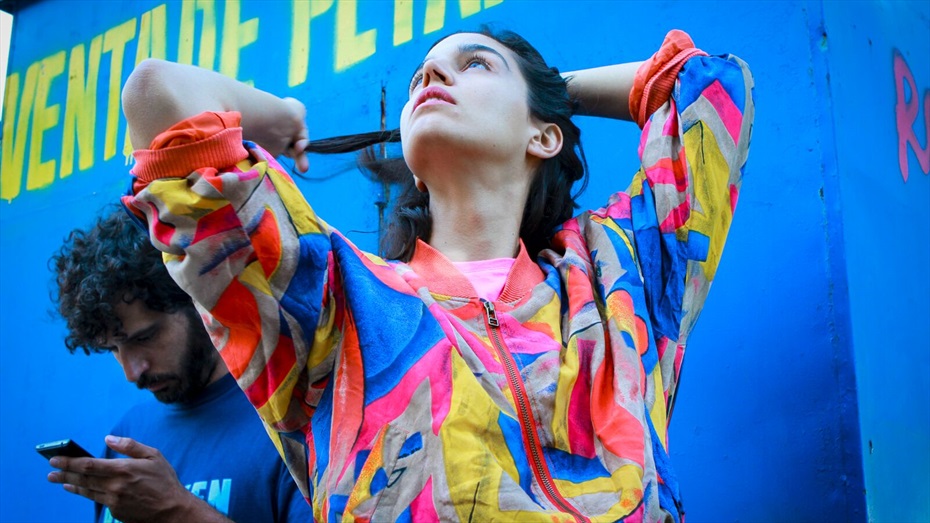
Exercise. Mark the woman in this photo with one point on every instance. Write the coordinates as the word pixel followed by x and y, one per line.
pixel 509 368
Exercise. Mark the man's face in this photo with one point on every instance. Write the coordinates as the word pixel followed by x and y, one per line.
pixel 170 355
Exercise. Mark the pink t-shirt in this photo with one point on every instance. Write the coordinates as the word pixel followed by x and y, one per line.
pixel 487 276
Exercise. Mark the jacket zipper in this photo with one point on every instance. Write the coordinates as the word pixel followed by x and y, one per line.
pixel 525 414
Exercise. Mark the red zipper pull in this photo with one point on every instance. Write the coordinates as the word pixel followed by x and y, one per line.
pixel 492 315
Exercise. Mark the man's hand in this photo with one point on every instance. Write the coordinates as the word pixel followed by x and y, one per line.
pixel 143 487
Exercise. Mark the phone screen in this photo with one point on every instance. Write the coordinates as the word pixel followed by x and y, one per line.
pixel 66 447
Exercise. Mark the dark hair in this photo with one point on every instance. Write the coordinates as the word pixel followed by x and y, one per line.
pixel 550 200
pixel 97 268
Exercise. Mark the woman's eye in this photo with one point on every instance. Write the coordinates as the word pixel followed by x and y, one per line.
pixel 417 78
pixel 476 61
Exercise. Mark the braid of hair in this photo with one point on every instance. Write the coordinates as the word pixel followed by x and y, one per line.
pixel 352 142
pixel 410 209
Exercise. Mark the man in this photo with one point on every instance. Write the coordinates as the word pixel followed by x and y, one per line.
pixel 199 453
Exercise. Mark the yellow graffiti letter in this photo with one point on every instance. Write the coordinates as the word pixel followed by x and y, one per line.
pixel 152 31
pixel 300 37
pixel 403 21
pixel 235 36
pixel 150 44
pixel 81 107
pixel 14 146
pixel 44 118
pixel 351 47
pixel 186 35
pixel 435 16
pixel 436 13
pixel 207 56
pixel 469 7
pixel 114 42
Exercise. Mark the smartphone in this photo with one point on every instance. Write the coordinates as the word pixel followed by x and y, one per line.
pixel 66 447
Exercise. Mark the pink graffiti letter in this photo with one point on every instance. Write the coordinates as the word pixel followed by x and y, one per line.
pixel 906 115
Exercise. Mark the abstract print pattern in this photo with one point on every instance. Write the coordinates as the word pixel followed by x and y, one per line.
pixel 394 394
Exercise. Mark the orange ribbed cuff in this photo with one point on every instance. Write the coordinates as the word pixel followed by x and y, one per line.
pixel 656 77
pixel 207 139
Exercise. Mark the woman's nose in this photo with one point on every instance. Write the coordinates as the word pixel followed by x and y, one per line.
pixel 433 71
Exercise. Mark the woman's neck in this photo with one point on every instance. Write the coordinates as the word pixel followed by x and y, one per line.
pixel 482 231
pixel 480 218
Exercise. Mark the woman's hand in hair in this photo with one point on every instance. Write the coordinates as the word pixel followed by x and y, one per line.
pixel 159 94
pixel 285 135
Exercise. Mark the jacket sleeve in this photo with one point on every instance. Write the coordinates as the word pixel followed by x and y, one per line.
pixel 240 239
pixel 696 114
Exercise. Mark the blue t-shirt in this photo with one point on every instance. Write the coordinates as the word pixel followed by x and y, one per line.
pixel 220 452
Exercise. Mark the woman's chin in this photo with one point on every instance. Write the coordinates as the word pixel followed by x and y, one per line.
pixel 428 146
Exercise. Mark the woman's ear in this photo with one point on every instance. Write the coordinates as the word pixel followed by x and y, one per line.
pixel 419 184
pixel 546 142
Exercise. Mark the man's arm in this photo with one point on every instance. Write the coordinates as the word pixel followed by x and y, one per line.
pixel 143 487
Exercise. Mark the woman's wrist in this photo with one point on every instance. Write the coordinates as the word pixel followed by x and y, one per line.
pixel 603 91
pixel 159 94
pixel 274 123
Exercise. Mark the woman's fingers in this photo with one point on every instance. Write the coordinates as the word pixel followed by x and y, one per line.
pixel 297 151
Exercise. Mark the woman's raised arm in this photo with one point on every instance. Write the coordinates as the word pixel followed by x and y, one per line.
pixel 603 91
pixel 159 94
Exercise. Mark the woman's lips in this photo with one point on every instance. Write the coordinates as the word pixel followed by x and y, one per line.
pixel 432 96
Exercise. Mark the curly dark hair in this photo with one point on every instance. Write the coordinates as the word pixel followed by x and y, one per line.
pixel 96 268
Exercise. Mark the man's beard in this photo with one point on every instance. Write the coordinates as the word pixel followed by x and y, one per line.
pixel 197 365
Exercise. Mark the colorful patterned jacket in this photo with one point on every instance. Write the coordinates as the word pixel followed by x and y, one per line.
pixel 393 393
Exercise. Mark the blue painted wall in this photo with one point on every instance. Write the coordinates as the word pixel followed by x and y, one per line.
pixel 824 283
pixel 879 63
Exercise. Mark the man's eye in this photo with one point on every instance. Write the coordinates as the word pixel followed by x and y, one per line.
pixel 145 337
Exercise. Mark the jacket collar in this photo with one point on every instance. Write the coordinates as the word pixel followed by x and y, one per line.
pixel 442 277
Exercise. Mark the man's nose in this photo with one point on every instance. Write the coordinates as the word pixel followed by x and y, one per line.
pixel 134 366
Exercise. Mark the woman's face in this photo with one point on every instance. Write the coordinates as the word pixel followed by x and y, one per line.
pixel 468 96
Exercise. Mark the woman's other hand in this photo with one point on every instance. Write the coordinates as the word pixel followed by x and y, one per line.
pixel 159 94
pixel 289 136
